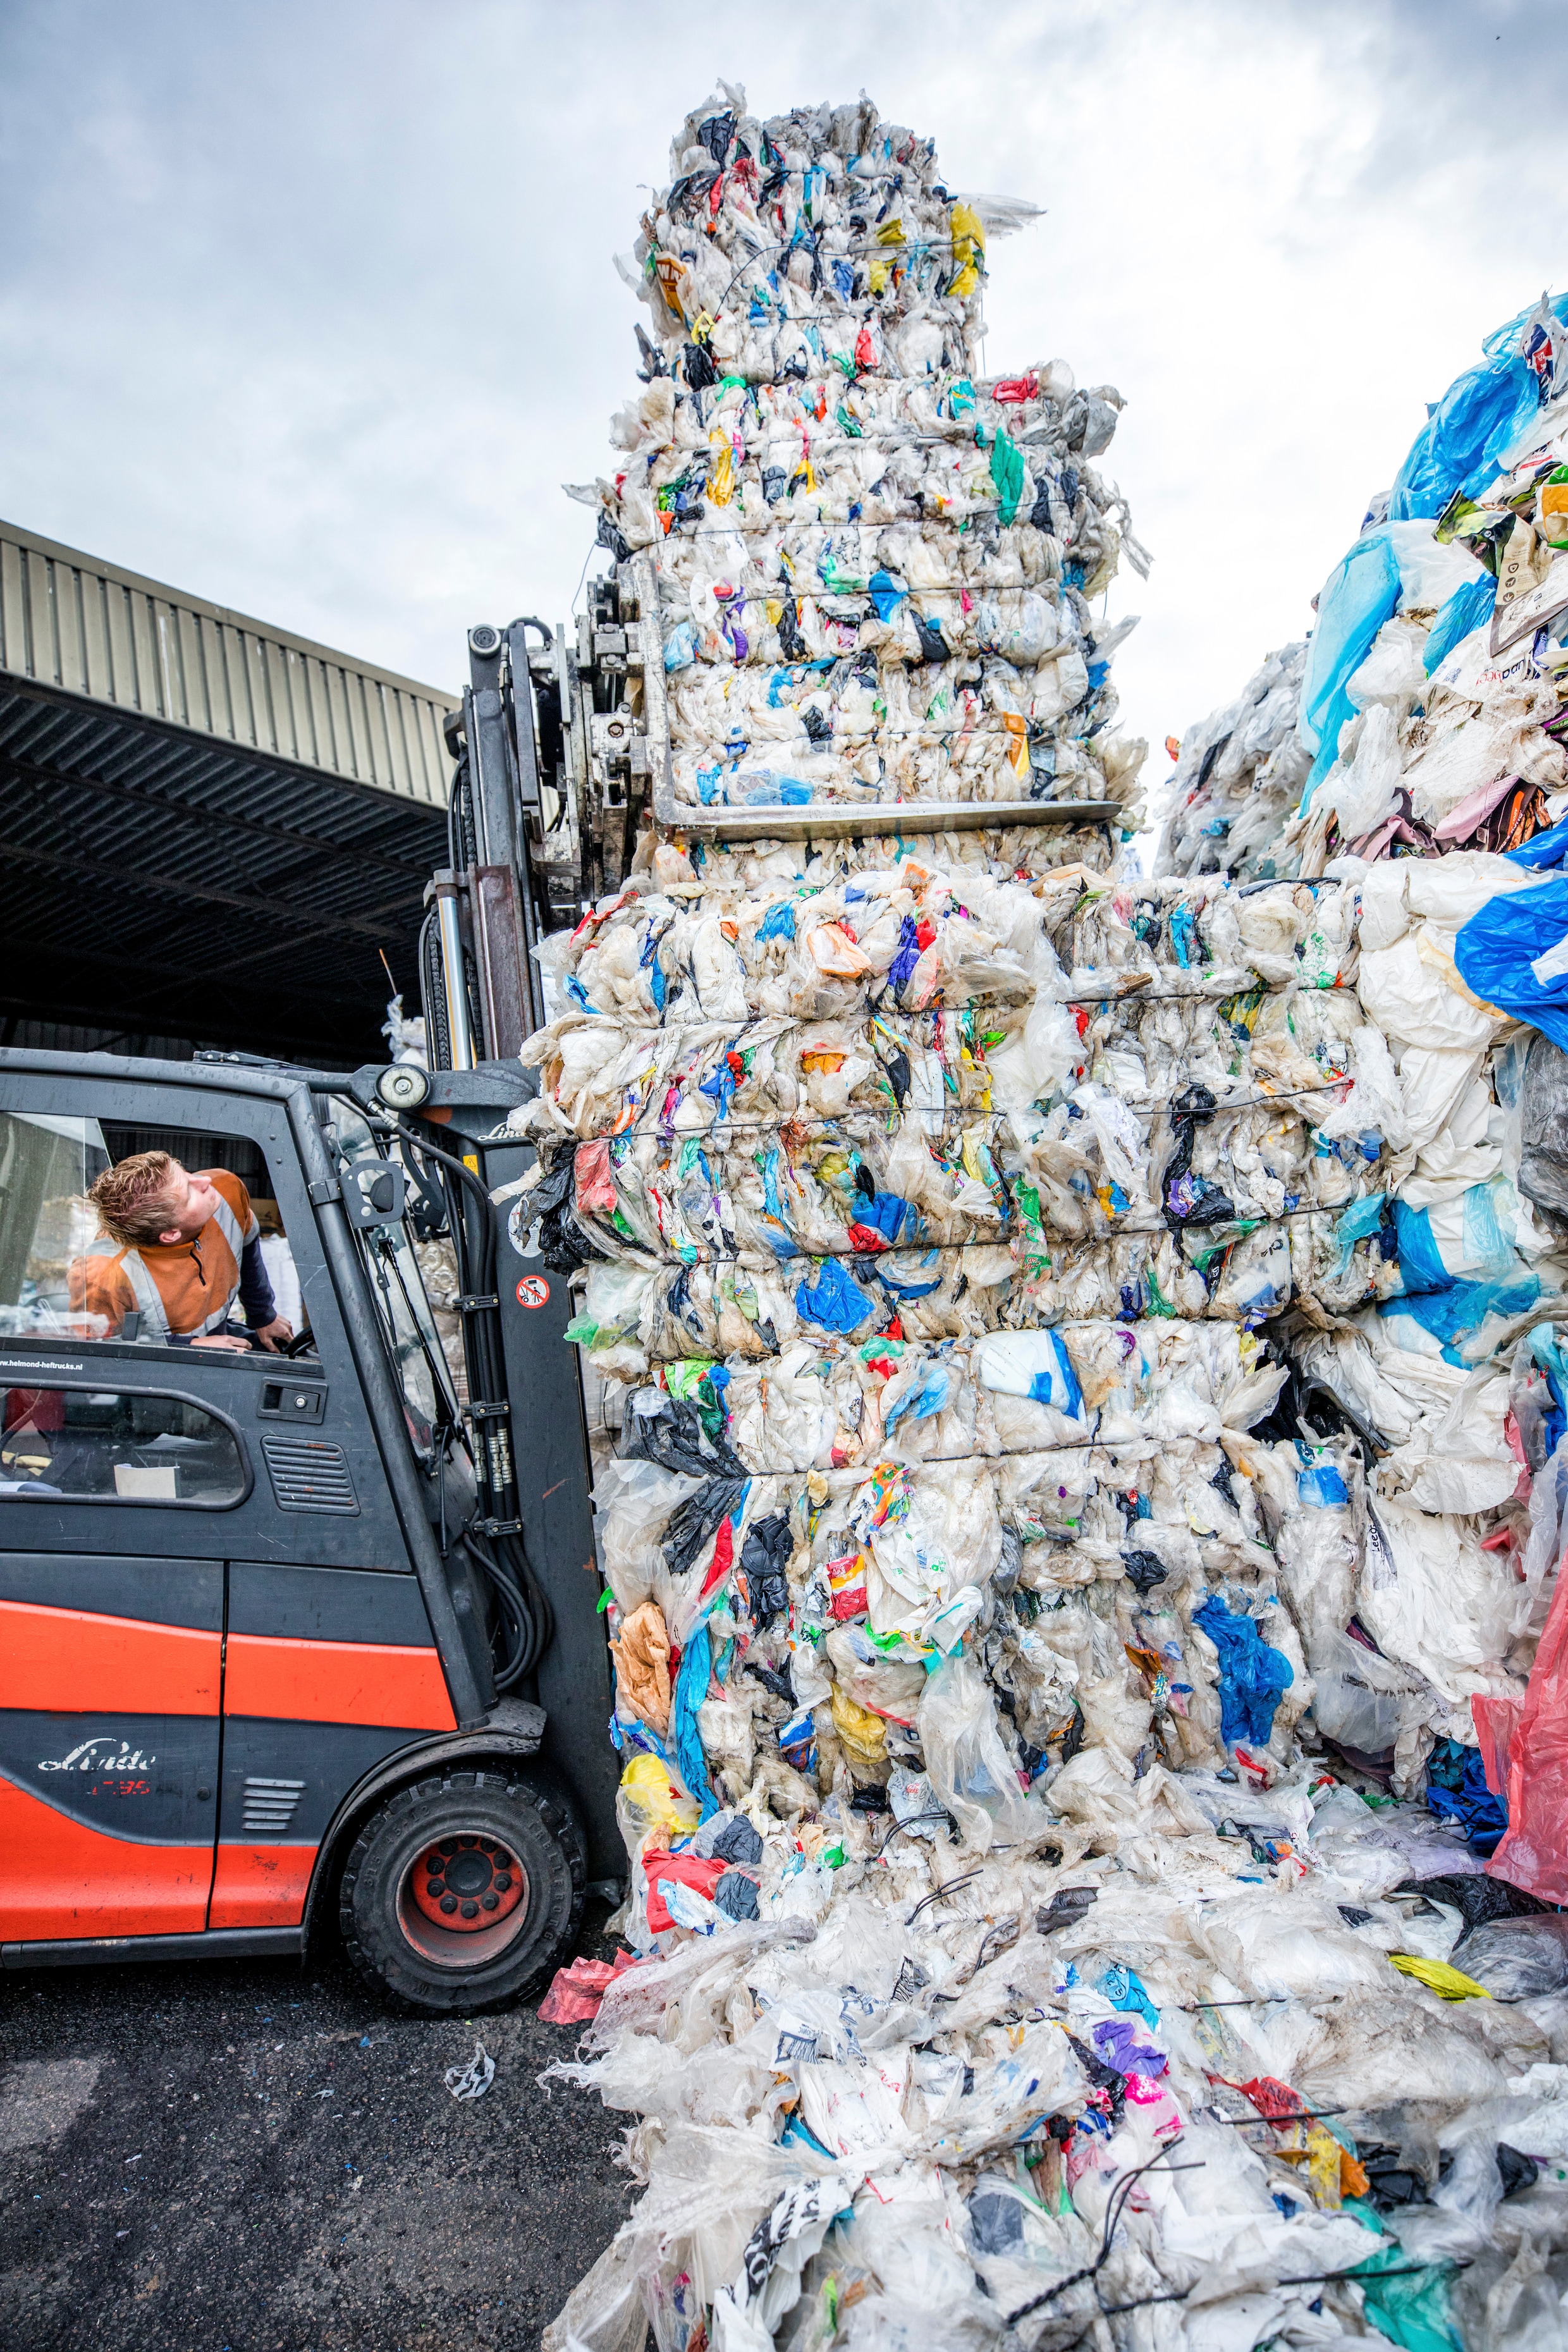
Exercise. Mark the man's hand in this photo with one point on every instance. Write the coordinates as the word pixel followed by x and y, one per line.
pixel 276 1334
pixel 219 1339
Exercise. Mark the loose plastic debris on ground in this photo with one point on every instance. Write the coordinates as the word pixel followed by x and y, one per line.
pixel 1084 1363
pixel 473 2079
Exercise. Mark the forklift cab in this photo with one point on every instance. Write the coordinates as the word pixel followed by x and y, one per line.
pixel 292 1637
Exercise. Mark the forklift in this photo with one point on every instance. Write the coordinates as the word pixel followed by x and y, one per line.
pixel 313 1640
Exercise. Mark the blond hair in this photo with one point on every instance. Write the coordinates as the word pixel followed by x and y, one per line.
pixel 132 1197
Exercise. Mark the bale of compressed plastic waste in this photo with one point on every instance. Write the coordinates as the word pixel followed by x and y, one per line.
pixel 1089 1427
pixel 1424 715
pixel 1239 777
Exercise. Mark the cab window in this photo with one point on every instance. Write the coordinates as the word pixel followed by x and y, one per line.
pixel 45 1220
pixel 397 1290
pixel 62 1273
pixel 101 1445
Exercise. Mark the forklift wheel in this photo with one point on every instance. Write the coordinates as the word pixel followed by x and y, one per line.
pixel 461 1891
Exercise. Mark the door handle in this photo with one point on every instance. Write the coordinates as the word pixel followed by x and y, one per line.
pixel 292 1401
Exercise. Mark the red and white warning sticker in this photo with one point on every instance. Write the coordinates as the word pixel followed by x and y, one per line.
pixel 533 1291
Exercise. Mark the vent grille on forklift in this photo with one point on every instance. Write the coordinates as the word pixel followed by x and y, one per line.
pixel 270 1806
pixel 309 1473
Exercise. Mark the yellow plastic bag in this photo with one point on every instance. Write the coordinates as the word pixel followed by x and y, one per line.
pixel 968 249
pixel 675 282
pixel 865 1735
pixel 1554 508
pixel 722 474
pixel 654 1799
pixel 1449 1984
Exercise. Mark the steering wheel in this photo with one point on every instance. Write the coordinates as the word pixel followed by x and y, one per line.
pixel 302 1343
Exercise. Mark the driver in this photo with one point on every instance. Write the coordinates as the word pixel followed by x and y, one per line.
pixel 179 1249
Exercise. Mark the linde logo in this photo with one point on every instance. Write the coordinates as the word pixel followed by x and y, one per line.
pixel 98 1755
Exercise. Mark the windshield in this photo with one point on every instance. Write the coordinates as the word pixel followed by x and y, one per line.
pixel 397 1289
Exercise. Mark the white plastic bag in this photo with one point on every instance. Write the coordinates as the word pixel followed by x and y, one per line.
pixel 969 1766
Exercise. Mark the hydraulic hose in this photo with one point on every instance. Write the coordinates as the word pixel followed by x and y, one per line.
pixel 525 1620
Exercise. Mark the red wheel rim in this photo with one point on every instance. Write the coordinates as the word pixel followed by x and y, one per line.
pixel 468 1884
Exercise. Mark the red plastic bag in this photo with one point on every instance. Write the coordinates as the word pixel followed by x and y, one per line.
pixel 1524 1750
pixel 574 1996
pixel 685 1870
pixel 595 1183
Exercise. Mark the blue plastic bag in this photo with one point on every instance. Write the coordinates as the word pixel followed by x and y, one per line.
pixel 908 955
pixel 1321 1488
pixel 911 1273
pixel 1457 1792
pixel 690 1690
pixel 1055 1382
pixel 1360 1220
pixel 1030 1363
pixel 778 923
pixel 1252 1676
pixel 928 1395
pixel 1361 596
pixel 887 594
pixel 1456 1314
pixel 1496 949
pixel 1466 610
pixel 833 1300
pixel 680 646
pixel 1546 850
pixel 888 1214
pixel 1482 414
pixel 1435 1259
pixel 1124 1988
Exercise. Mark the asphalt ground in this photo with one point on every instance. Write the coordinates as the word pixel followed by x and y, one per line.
pixel 250 2156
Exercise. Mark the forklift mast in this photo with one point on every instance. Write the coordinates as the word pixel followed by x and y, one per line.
pixel 552 753
pixel 548 795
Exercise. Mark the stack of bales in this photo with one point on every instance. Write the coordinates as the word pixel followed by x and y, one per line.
pixel 1075 1356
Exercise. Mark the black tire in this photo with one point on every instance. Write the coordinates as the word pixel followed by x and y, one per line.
pixel 409 1953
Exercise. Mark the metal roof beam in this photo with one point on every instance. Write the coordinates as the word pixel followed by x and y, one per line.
pixel 188 812
pixel 170 887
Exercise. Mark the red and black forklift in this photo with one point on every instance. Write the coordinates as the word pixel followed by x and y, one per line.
pixel 296 1643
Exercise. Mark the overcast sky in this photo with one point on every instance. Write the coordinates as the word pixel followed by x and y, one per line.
pixel 310 308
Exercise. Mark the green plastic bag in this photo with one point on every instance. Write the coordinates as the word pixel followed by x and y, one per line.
pixel 1412 2309
pixel 1007 473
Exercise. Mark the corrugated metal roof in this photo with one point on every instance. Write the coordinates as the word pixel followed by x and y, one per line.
pixel 86 628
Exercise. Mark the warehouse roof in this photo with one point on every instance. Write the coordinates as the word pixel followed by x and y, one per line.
pixel 209 825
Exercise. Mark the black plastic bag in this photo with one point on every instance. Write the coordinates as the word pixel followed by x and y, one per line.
pixel 691 1526
pixel 765 1561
